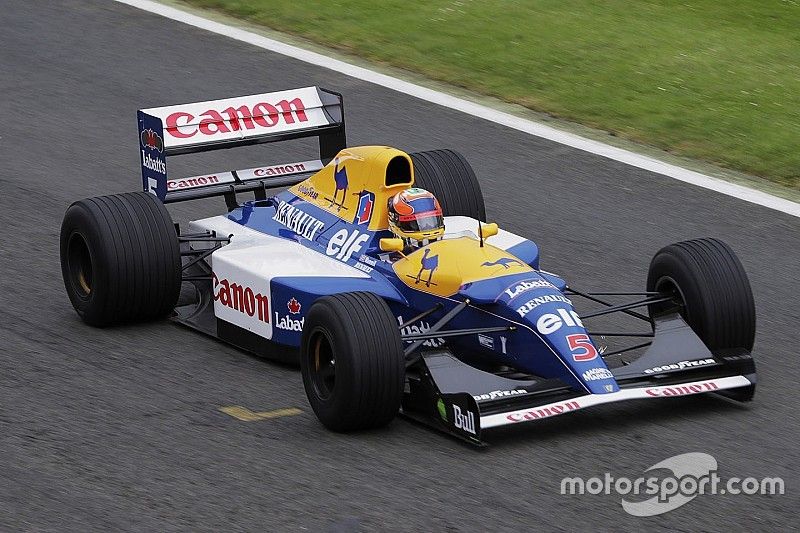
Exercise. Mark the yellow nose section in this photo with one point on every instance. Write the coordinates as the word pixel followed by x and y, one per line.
pixel 442 267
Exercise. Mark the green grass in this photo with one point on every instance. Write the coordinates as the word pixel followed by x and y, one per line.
pixel 717 80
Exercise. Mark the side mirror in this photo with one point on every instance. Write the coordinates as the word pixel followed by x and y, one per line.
pixel 489 230
pixel 391 245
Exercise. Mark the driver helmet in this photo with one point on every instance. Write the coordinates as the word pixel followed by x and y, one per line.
pixel 416 217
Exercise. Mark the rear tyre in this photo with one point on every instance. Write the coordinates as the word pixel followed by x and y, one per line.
pixel 451 179
pixel 352 362
pixel 712 289
pixel 120 259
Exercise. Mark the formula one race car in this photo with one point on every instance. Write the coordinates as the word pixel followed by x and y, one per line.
pixel 465 333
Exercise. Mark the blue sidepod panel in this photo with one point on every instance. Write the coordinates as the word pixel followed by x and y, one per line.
pixel 292 298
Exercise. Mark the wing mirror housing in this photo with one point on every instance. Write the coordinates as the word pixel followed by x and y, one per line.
pixel 489 230
pixel 391 245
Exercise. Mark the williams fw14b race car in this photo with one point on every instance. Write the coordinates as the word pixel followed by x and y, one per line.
pixel 464 333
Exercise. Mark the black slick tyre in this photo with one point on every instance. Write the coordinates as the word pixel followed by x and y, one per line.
pixel 120 259
pixel 711 288
pixel 450 178
pixel 352 362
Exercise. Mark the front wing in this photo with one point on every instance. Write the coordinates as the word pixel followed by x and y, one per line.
pixel 453 397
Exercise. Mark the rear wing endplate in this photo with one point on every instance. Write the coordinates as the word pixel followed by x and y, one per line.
pixel 242 121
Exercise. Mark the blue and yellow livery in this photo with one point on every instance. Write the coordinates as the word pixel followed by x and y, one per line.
pixel 465 333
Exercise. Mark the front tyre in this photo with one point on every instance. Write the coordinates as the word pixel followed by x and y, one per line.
pixel 711 288
pixel 352 362
pixel 120 259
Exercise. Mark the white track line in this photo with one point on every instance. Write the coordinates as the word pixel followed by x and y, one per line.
pixel 540 130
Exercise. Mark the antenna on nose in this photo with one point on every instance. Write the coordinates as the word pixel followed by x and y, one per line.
pixel 480 233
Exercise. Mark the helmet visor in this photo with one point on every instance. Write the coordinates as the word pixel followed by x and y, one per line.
pixel 429 221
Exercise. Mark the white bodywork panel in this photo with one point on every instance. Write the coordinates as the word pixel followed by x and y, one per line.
pixel 245 268
pixel 459 226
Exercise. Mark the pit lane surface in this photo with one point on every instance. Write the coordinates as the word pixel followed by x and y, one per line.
pixel 121 429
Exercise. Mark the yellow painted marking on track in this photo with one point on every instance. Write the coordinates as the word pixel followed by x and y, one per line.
pixel 246 415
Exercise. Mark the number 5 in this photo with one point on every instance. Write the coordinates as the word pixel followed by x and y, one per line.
pixel 581 347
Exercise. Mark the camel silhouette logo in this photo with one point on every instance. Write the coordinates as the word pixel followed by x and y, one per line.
pixel 426 263
pixel 340 178
pixel 505 262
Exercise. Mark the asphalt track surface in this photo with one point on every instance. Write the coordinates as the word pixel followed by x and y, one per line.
pixel 120 429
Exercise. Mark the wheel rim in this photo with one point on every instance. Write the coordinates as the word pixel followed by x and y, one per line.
pixel 323 365
pixel 669 287
pixel 79 262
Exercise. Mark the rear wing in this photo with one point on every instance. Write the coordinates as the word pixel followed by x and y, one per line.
pixel 242 121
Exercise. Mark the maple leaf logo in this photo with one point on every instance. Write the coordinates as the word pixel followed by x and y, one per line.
pixel 152 140
pixel 294 306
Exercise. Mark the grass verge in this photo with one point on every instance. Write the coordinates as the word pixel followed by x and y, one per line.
pixel 711 80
